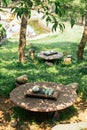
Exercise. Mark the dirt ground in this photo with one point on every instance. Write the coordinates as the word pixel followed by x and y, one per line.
pixel 6 110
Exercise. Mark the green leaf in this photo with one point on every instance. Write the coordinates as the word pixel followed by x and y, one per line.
pixel 48 20
pixel 61 26
pixel 29 3
pixel 72 22
pixel 54 27
pixel 44 16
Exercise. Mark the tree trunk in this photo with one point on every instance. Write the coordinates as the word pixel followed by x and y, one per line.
pixel 82 20
pixel 22 40
pixel 83 41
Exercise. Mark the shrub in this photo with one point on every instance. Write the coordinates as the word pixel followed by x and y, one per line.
pixel 2 32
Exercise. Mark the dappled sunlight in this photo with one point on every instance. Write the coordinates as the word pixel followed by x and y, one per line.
pixel 67 96
pixel 52 69
pixel 36 69
pixel 29 112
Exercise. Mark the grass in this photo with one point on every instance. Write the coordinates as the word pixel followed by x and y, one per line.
pixel 37 70
pixel 60 73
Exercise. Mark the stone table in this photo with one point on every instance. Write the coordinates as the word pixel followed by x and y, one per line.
pixel 67 96
pixel 50 55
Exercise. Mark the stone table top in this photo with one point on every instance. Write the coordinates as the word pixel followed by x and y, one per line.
pixel 67 96
pixel 51 55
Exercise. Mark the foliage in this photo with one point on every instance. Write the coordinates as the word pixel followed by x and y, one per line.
pixel 53 10
pixel 23 8
pixel 4 2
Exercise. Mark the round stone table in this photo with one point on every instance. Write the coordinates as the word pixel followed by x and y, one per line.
pixel 67 96
pixel 49 55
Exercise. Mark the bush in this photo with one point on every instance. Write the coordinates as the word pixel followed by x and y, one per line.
pixel 2 32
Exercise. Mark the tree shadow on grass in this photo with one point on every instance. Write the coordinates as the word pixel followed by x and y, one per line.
pixel 36 69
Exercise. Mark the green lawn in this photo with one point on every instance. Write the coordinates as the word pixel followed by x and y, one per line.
pixel 37 70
